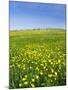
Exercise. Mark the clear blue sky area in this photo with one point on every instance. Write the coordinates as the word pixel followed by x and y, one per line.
pixel 27 15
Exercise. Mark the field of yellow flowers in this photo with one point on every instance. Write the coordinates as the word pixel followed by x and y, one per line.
pixel 37 58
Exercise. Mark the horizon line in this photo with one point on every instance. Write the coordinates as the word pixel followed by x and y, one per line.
pixel 36 29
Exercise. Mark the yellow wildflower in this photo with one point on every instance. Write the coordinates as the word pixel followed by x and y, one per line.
pixel 25 76
pixel 49 75
pixel 33 80
pixel 41 73
pixel 42 65
pixel 33 85
pixel 55 78
pixel 24 68
pixel 25 83
pixel 23 79
pixel 49 60
pixel 56 73
pixel 20 84
pixel 52 70
pixel 37 77
pixel 58 61
pixel 37 68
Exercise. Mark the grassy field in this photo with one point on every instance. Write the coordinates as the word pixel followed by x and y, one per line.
pixel 37 58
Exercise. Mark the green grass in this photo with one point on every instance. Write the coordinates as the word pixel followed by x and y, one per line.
pixel 37 58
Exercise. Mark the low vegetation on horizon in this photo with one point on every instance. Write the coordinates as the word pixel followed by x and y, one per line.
pixel 39 29
pixel 37 58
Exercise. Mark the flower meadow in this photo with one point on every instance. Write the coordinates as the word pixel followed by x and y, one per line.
pixel 37 58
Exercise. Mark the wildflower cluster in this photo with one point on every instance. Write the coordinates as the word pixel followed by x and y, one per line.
pixel 37 61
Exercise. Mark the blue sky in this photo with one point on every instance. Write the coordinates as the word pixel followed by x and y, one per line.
pixel 24 15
